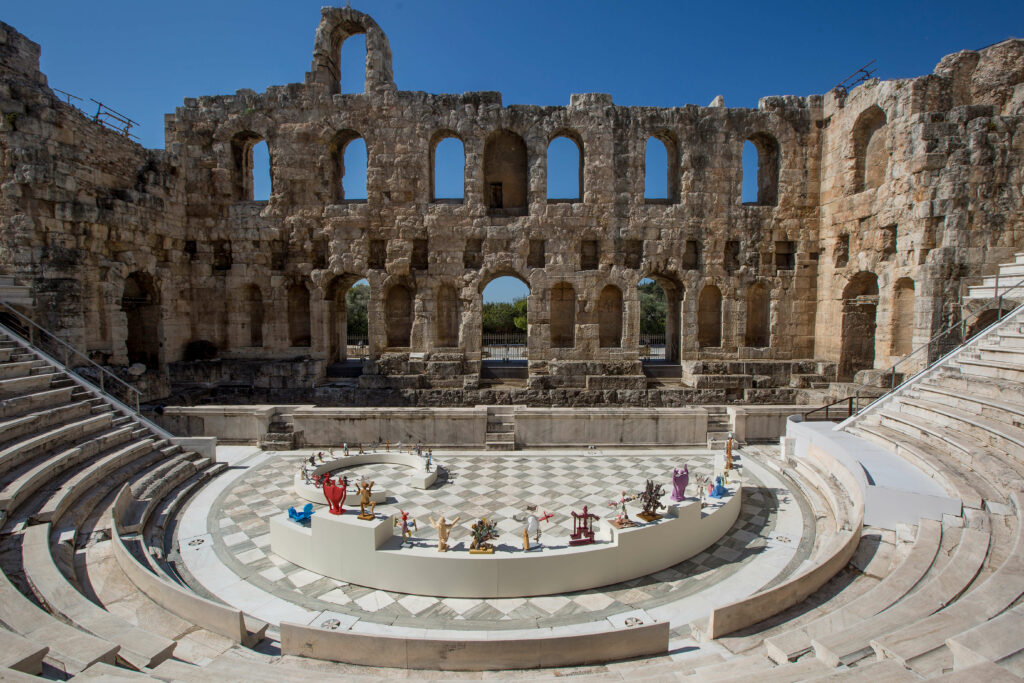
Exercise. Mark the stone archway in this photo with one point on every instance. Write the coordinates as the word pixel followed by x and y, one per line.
pixel 142 312
pixel 860 305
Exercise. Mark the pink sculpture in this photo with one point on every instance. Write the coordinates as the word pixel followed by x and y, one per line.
pixel 680 478
pixel 335 494
pixel 582 527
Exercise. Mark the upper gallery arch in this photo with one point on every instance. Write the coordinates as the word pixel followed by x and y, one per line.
pixel 336 25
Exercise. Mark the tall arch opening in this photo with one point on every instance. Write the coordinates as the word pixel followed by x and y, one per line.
pixel 758 332
pixel 353 64
pixel 347 299
pixel 252 301
pixel 860 305
pixel 142 312
pixel 447 169
pixel 609 317
pixel 504 327
pixel 562 316
pixel 761 170
pixel 250 157
pixel 902 330
pixel 709 317
pixel 661 169
pixel 299 328
pixel 398 312
pixel 348 167
pixel 565 169
pixel 446 317
pixel 661 306
pixel 871 161
pixel 505 174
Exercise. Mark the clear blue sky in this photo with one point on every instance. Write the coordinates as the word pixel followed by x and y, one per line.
pixel 144 58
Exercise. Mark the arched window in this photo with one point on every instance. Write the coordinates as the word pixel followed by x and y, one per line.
pixel 565 169
pixel 399 313
pixel 250 156
pixel 253 302
pixel 299 329
pixel 446 317
pixel 142 313
pixel 563 316
pixel 505 173
pixel 347 174
pixel 661 169
pixel 758 330
pixel 353 64
pixel 447 170
pixel 761 170
pixel 871 160
pixel 903 317
pixel 609 317
pixel 709 317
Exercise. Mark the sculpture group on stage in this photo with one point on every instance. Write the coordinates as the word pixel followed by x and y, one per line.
pixel 484 531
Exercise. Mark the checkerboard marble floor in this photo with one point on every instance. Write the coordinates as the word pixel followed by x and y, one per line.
pixel 496 486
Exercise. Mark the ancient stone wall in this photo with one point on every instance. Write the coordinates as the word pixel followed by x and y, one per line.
pixel 892 193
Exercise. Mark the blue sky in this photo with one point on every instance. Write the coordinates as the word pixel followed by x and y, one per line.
pixel 144 58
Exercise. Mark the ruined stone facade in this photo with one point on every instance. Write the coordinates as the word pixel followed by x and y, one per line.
pixel 873 208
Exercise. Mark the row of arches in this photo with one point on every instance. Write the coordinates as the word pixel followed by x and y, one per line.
pixel 505 167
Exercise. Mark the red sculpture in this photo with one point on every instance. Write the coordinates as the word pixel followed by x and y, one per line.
pixel 335 494
pixel 582 528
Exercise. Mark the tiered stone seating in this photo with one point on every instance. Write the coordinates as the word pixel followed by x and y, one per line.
pixel 63 452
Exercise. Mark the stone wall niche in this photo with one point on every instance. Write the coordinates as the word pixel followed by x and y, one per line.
pixel 142 312
pixel 870 157
pixel 860 304
pixel 563 316
pixel 299 328
pixel 505 174
pixel 709 317
pixel 398 312
pixel 609 316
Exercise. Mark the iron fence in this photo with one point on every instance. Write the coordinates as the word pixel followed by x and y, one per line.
pixel 507 346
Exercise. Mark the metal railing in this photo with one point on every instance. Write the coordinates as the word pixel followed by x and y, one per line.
pixel 71 358
pixel 942 345
pixel 651 346
pixel 505 346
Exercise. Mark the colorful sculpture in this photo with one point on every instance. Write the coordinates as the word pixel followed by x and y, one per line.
pixel 406 522
pixel 717 490
pixel 301 517
pixel 532 524
pixel 622 520
pixel 364 490
pixel 335 494
pixel 651 501
pixel 582 527
pixel 728 453
pixel 680 479
pixel 443 529
pixel 483 533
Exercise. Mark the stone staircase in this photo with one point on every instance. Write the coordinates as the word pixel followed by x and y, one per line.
pixel 1010 275
pixel 719 426
pixel 501 428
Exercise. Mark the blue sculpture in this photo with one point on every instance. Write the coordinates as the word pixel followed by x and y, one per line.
pixel 301 517
pixel 718 490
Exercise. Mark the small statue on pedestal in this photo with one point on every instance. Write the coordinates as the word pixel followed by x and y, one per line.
pixel 406 522
pixel 312 461
pixel 305 475
pixel 680 478
pixel 427 464
pixel 651 501
pixel 728 453
pixel 532 524
pixel 344 449
pixel 318 480
pixel 622 520
pixel 364 490
pixel 483 533
pixel 335 494
pixel 443 529
pixel 582 527
pixel 301 517
pixel 717 490
pixel 387 445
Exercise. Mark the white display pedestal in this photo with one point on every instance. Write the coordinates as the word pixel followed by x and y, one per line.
pixel 368 553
